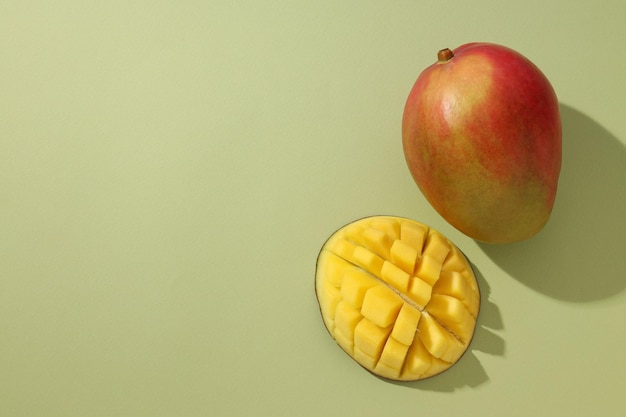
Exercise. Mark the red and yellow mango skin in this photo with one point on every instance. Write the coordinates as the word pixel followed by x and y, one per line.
pixel 481 134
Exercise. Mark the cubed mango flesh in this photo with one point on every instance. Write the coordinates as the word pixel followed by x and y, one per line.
pixel 397 296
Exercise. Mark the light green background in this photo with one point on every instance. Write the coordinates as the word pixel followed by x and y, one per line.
pixel 170 169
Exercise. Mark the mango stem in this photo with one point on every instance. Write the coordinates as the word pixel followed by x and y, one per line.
pixel 445 55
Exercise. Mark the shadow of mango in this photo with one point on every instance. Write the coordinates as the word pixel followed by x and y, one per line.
pixel 579 255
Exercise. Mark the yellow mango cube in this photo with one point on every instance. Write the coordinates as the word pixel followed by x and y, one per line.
pixel 405 326
pixel 364 359
pixel 370 338
pixel 381 305
pixel 455 261
pixel 418 360
pixel 419 292
pixel 377 241
pixel 395 277
pixel 329 296
pixel 439 341
pixel 437 247
pixel 370 238
pixel 346 319
pixel 354 286
pixel 394 353
pixel 437 366
pixel 404 256
pixel 334 267
pixel 455 285
pixel 371 262
pixel 452 315
pixel 345 342
pixel 389 225
pixel 414 234
pixel 428 269
pixel 386 371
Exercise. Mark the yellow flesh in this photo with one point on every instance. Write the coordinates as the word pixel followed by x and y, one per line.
pixel 397 296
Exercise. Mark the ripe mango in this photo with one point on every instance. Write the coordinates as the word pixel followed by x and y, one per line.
pixel 397 296
pixel 481 134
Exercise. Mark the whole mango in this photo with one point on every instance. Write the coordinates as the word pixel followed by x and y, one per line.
pixel 481 134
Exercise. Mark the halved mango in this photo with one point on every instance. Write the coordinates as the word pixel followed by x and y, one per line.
pixel 397 296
